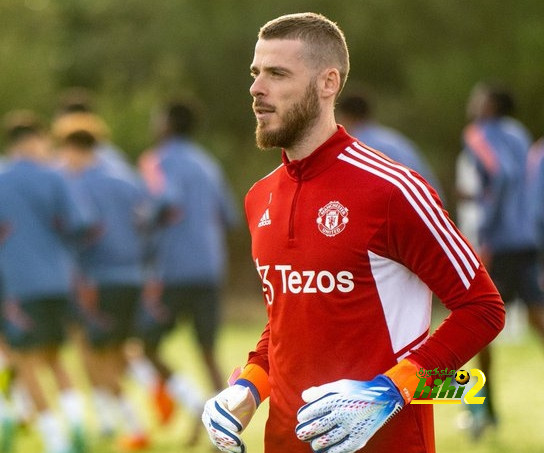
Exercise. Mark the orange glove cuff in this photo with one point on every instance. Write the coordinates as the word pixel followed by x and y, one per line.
pixel 404 376
pixel 258 377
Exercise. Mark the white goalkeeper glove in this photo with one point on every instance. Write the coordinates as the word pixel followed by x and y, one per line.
pixel 226 416
pixel 342 416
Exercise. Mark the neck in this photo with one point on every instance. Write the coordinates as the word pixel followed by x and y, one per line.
pixel 318 135
pixel 79 161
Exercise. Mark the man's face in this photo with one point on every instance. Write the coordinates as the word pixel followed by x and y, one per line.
pixel 285 97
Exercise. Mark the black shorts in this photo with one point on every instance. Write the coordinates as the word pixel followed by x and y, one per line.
pixel 35 323
pixel 111 322
pixel 516 276
pixel 200 303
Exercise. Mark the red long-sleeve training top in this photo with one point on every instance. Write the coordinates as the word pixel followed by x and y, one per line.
pixel 350 247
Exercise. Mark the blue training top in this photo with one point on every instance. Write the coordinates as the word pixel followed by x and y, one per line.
pixel 118 201
pixel 536 179
pixel 397 147
pixel 190 248
pixel 500 148
pixel 37 216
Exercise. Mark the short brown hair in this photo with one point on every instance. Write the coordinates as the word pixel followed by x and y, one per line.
pixel 80 139
pixel 326 42
pixel 21 124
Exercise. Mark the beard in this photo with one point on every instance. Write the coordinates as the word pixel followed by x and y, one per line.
pixel 295 123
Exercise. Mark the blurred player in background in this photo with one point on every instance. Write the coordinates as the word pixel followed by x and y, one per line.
pixel 467 190
pixel 76 104
pixel 110 270
pixel 189 256
pixel 39 216
pixel 498 146
pixel 356 113
pixel 536 171
pixel 350 246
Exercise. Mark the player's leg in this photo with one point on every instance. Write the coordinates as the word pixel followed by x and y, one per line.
pixel 105 339
pixel 181 300
pixel 27 363
pixel 504 271
pixel 28 336
pixel 111 396
pixel 206 311
pixel 154 321
pixel 201 302
pixel 121 304
pixel 532 293
pixel 71 400
pixel 148 369
pixel 485 358
pixel 88 319
pixel 104 403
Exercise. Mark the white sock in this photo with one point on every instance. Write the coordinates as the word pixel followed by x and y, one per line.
pixel 6 412
pixel 129 415
pixel 186 392
pixel 143 372
pixel 73 407
pixel 23 406
pixel 53 435
pixel 106 410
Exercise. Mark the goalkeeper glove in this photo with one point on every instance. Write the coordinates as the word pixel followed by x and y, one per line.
pixel 341 416
pixel 226 415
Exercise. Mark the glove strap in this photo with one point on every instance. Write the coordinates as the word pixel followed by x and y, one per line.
pixel 404 376
pixel 256 379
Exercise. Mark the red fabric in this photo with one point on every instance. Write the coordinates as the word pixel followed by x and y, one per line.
pixel 325 231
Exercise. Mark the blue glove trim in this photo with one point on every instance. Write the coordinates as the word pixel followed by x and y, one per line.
pixel 313 402
pixel 252 388
pixel 394 389
pixel 220 428
pixel 229 417
pixel 302 425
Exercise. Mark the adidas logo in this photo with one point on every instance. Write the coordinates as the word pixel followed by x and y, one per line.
pixel 265 219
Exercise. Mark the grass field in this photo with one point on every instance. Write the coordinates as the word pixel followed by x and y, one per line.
pixel 519 365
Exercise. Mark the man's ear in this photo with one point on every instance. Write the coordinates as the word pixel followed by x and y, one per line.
pixel 330 82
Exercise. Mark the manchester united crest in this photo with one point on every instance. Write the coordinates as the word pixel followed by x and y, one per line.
pixel 332 218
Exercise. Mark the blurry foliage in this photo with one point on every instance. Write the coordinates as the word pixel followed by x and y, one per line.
pixel 420 58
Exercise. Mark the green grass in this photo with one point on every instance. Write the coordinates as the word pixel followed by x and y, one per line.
pixel 519 366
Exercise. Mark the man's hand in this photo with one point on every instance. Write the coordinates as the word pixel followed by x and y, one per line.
pixel 226 415
pixel 342 416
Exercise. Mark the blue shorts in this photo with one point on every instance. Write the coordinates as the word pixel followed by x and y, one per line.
pixel 32 324
pixel 199 303
pixel 516 276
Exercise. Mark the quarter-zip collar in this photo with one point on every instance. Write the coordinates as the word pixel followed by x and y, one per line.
pixel 321 159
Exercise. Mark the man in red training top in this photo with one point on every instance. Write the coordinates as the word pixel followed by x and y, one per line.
pixel 349 245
